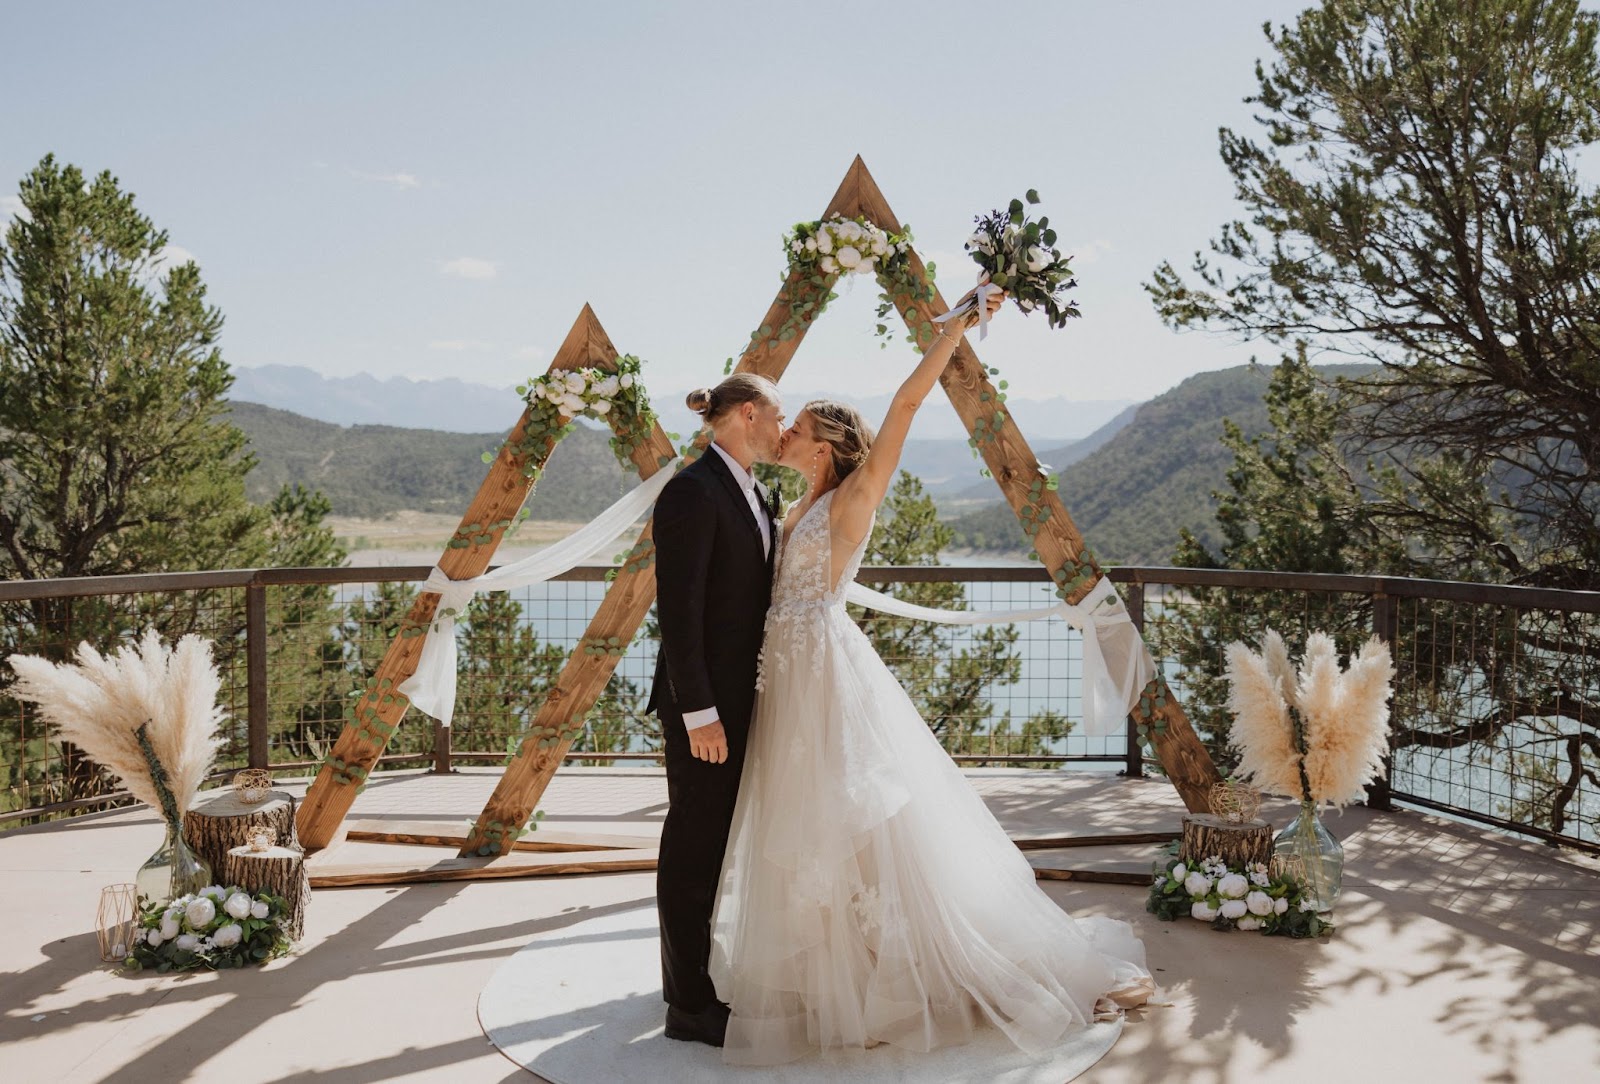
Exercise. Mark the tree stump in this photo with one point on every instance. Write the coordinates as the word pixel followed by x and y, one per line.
pixel 278 870
pixel 1237 844
pixel 222 822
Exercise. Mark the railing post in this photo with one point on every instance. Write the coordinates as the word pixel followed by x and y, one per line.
pixel 1133 599
pixel 1386 626
pixel 255 649
pixel 441 749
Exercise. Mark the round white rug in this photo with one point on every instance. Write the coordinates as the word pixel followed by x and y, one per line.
pixel 584 1007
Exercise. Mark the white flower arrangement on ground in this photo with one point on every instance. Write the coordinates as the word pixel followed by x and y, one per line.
pixel 1253 898
pixel 216 928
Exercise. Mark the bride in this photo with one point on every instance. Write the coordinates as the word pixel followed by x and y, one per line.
pixel 867 894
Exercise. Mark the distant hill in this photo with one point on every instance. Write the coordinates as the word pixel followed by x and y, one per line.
pixel 1152 477
pixel 1059 459
pixel 372 470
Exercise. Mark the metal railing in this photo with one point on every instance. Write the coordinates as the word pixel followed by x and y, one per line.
pixel 1496 711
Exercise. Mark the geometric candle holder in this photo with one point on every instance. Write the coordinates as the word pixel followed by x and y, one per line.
pixel 114 923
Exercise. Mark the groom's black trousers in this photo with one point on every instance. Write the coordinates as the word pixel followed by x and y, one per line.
pixel 701 797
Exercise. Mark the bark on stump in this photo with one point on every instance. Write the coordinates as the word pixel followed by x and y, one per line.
pixel 222 822
pixel 1238 845
pixel 278 870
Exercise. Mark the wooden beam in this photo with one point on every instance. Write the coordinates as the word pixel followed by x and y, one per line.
pixel 1115 839
pixel 426 834
pixel 1097 876
pixel 329 874
pixel 378 712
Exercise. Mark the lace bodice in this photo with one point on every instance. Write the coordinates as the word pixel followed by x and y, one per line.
pixel 805 565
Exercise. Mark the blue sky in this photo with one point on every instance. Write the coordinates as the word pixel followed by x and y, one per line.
pixel 435 190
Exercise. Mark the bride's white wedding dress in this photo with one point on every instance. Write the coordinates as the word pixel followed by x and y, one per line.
pixel 868 895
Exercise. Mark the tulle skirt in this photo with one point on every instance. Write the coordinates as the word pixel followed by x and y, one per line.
pixel 867 893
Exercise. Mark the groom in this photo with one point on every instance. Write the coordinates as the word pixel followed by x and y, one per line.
pixel 715 533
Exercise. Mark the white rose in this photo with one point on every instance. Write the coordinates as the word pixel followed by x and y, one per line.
pixel 238 905
pixel 848 258
pixel 187 942
pixel 600 406
pixel 824 242
pixel 607 387
pixel 1202 910
pixel 626 380
pixel 868 266
pixel 1178 872
pixel 576 382
pixel 169 927
pixel 216 892
pixel 1037 259
pixel 259 910
pixel 1198 884
pixel 1248 923
pixel 571 406
pixel 1233 886
pixel 811 244
pixel 1233 908
pixel 1279 906
pixel 827 265
pixel 1259 903
pixel 153 938
pixel 228 936
pixel 880 246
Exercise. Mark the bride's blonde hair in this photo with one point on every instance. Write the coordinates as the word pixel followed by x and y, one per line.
pixel 845 430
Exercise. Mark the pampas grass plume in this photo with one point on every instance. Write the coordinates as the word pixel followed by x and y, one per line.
pixel 1348 735
pixel 100 702
pixel 1261 730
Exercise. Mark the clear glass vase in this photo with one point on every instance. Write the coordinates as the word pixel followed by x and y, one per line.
pixel 172 871
pixel 1317 852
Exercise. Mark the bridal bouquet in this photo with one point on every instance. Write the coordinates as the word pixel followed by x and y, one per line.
pixel 1019 256
pixel 216 927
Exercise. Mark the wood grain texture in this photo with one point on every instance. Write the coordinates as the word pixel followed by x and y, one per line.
pixel 325 874
pixel 278 870
pixel 423 833
pixel 222 822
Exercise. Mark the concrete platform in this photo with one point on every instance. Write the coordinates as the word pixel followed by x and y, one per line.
pixel 1461 955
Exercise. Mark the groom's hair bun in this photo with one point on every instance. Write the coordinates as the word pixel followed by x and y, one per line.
pixel 738 389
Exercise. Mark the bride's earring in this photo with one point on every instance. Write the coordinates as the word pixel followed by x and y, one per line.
pixel 816 462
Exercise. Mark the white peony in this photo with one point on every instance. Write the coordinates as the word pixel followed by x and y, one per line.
pixel 1198 884
pixel 824 242
pixel 238 905
pixel 811 244
pixel 216 892
pixel 1259 903
pixel 607 387
pixel 576 382
pixel 848 258
pixel 1178 872
pixel 200 912
pixel 1037 258
pixel 153 938
pixel 1202 910
pixel 187 942
pixel 827 265
pixel 1279 906
pixel 600 406
pixel 228 936
pixel 170 926
pixel 571 406
pixel 880 246
pixel 626 380
pixel 259 910
pixel 1248 923
pixel 1232 885
pixel 1233 909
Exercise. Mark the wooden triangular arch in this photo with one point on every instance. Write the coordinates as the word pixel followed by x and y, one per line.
pixel 1016 470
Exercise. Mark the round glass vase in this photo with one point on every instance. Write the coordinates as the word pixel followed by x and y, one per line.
pixel 1319 853
pixel 172 871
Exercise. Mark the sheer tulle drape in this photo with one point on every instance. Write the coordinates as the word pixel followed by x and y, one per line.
pixel 868 894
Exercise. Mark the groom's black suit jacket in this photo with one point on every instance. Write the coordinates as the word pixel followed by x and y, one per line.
pixel 713 586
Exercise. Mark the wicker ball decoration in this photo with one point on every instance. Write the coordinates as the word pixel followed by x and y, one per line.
pixel 252 785
pixel 1236 803
pixel 115 922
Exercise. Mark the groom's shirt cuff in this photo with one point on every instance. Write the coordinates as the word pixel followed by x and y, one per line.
pixel 694 720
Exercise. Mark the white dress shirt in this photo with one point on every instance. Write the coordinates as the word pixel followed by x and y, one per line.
pixel 694 720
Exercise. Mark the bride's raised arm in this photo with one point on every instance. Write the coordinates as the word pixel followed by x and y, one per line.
pixel 863 491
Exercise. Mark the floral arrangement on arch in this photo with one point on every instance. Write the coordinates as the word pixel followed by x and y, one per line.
pixel 216 928
pixel 556 399
pixel 1269 900
pixel 820 251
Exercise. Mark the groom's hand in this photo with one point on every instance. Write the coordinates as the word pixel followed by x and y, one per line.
pixel 709 743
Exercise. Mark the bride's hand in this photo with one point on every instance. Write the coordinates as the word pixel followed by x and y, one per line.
pixel 995 299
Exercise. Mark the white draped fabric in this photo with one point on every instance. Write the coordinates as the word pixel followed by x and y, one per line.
pixel 1115 665
pixel 432 689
